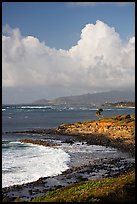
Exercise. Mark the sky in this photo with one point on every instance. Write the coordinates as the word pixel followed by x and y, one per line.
pixel 53 49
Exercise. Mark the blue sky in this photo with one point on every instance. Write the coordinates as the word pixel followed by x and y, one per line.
pixel 59 24
pixel 53 49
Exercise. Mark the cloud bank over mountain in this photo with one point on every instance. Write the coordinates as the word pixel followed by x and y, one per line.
pixel 99 61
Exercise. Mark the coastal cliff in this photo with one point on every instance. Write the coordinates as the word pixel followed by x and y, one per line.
pixel 117 131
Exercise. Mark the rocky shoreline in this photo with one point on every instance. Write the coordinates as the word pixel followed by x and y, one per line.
pixel 116 132
pixel 39 142
pixel 102 169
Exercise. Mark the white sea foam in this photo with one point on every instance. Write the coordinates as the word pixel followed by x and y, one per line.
pixel 30 162
pixel 35 107
pixel 58 108
pixel 23 163
pixel 82 147
pixel 30 108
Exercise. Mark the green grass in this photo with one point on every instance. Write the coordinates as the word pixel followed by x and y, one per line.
pixel 121 121
pixel 120 189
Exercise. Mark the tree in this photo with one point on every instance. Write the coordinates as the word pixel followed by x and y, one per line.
pixel 98 112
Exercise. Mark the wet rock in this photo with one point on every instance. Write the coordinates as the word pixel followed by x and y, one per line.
pixel 39 142
pixel 69 141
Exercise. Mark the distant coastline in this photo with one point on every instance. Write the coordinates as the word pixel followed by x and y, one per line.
pixel 93 99
pixel 121 104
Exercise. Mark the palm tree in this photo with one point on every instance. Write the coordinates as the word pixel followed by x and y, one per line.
pixel 98 112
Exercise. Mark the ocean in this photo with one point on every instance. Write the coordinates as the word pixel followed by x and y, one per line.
pixel 23 163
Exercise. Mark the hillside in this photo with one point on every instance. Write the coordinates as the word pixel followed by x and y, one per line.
pixel 41 101
pixel 91 99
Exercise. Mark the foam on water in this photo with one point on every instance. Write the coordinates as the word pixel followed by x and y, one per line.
pixel 23 163
pixel 34 107
pixel 27 162
pixel 94 151
pixel 60 108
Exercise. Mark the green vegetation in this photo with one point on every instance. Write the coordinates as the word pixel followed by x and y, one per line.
pixel 5 199
pixel 98 112
pixel 121 104
pixel 118 189
pixel 121 120
pixel 8 200
pixel 106 119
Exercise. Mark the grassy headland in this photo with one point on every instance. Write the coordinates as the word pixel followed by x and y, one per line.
pixel 120 189
pixel 117 131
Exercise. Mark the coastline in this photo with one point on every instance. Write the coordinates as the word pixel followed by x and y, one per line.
pixel 117 132
pixel 99 138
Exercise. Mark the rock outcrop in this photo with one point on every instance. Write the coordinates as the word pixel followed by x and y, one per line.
pixel 118 131
pixel 39 142
pixel 116 127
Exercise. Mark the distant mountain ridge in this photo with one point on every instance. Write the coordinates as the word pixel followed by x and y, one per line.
pixel 41 101
pixel 90 99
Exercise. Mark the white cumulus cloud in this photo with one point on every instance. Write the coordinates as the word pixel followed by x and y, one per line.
pixel 99 60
